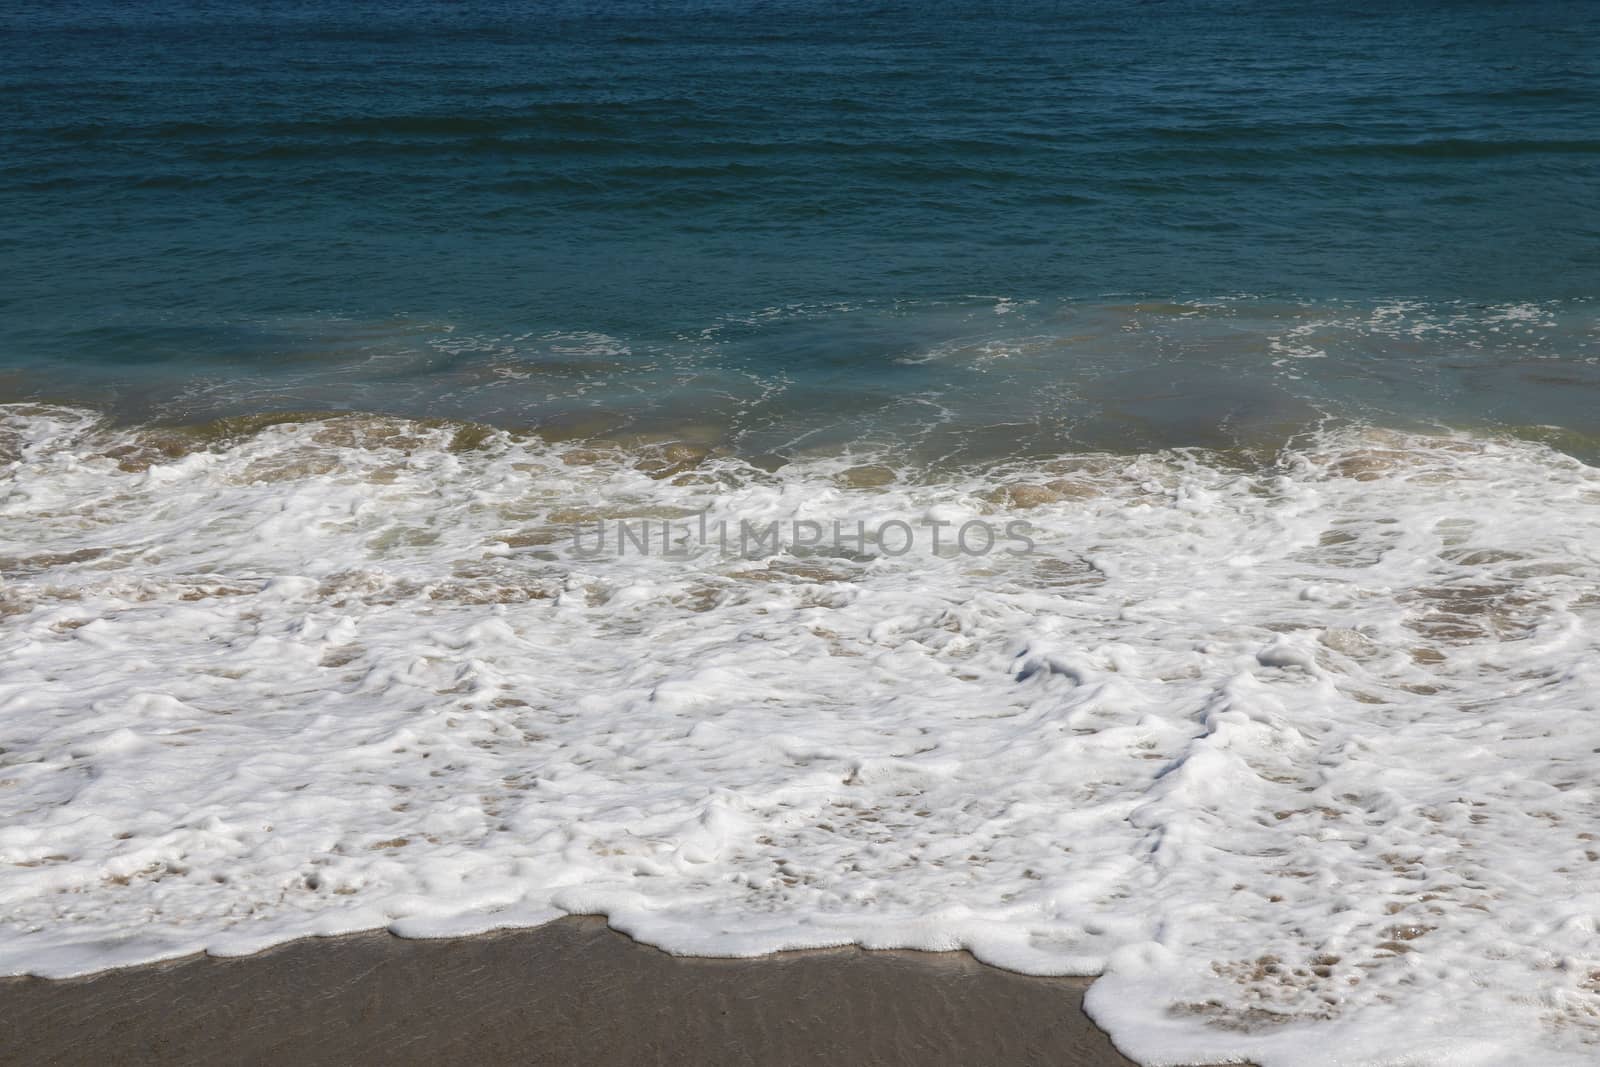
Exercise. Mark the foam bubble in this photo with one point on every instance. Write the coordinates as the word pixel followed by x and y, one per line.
pixel 1299 755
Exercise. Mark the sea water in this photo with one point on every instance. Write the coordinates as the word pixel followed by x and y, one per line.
pixel 379 389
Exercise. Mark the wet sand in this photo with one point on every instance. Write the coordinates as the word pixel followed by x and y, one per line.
pixel 571 992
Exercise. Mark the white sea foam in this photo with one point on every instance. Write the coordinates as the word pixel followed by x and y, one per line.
pixel 1303 758
pixel 1457 323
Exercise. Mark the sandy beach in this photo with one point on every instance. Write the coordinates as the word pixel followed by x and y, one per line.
pixel 571 992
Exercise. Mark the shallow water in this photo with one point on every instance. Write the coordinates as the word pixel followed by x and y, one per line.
pixel 1276 745
pixel 975 380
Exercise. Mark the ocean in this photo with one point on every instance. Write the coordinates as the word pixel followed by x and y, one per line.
pixel 1107 486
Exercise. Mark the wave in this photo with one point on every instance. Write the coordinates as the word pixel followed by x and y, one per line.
pixel 1296 752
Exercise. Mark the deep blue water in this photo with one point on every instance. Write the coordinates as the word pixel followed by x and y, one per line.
pixel 798 222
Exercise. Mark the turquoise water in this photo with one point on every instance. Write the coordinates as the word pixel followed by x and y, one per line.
pixel 790 225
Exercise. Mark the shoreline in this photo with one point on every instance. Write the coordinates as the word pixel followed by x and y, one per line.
pixel 571 991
